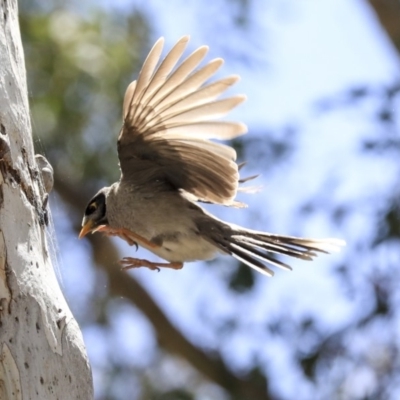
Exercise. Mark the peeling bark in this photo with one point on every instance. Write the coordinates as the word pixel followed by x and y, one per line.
pixel 42 355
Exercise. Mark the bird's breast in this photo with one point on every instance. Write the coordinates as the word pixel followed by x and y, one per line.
pixel 167 220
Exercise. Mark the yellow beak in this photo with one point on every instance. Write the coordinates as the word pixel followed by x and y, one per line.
pixel 87 228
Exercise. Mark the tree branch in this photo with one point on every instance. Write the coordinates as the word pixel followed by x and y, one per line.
pixel 388 12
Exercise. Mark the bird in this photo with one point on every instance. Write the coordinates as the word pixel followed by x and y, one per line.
pixel 169 165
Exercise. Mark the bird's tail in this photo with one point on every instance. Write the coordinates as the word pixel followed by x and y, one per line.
pixel 257 248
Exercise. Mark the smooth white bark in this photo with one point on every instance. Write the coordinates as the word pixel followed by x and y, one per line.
pixel 42 355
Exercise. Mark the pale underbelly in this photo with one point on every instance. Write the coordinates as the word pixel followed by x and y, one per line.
pixel 186 248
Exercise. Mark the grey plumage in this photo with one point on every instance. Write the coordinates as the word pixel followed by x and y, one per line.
pixel 168 163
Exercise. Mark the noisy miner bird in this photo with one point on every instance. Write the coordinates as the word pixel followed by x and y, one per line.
pixel 168 164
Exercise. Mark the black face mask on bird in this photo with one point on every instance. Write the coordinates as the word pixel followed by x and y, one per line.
pixel 95 214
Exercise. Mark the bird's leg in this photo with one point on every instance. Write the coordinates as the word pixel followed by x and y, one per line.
pixel 106 230
pixel 134 237
pixel 129 263
pixel 125 237
pixel 131 237
pixel 116 232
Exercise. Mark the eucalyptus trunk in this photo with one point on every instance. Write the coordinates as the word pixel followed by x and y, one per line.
pixel 42 355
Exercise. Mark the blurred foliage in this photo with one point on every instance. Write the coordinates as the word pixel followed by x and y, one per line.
pixel 242 279
pixel 78 70
pixel 368 347
pixel 79 64
pixel 174 395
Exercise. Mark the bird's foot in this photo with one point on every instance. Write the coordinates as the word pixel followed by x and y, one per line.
pixel 128 263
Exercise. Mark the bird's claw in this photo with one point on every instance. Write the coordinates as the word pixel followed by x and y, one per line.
pixel 130 241
pixel 129 263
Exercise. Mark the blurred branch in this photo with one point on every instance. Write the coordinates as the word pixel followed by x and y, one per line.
pixel 168 336
pixel 388 12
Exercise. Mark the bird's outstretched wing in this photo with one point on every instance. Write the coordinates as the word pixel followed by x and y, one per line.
pixel 168 118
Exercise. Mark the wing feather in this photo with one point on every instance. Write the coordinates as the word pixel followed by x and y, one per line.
pixel 165 68
pixel 169 115
pixel 188 86
pixel 206 130
pixel 128 99
pixel 180 74
pixel 205 95
pixel 215 109
pixel 145 74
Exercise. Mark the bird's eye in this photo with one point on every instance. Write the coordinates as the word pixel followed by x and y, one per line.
pixel 92 208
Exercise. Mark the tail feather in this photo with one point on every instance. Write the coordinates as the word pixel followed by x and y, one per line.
pixel 274 247
pixel 254 252
pixel 252 246
pixel 247 257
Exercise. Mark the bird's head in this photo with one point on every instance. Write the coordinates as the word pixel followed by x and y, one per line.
pixel 95 214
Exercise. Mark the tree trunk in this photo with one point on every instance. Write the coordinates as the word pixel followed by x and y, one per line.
pixel 388 12
pixel 42 355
